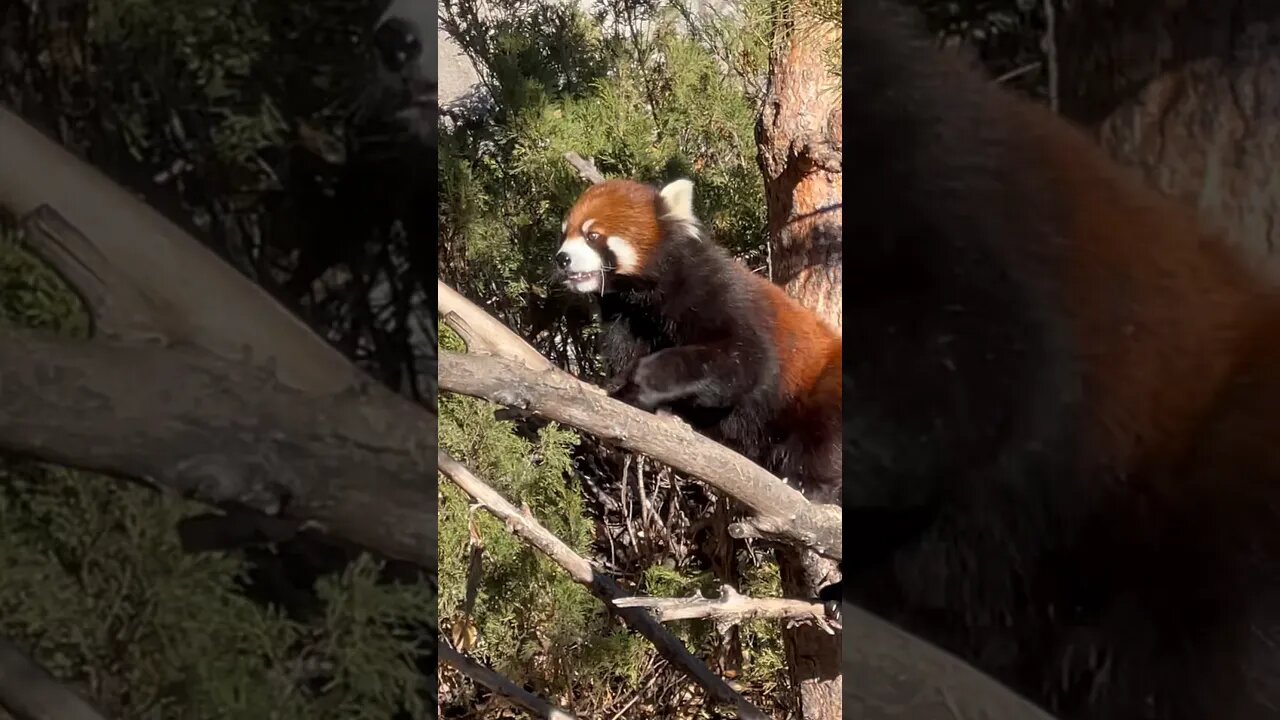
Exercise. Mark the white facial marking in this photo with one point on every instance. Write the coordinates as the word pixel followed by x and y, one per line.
pixel 583 273
pixel 564 226
pixel 582 257
pixel 586 226
pixel 625 253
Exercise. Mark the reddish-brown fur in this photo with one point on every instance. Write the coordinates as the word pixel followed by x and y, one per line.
pixel 1168 319
pixel 690 328
pixel 619 207
pixel 1067 403
pixel 1186 303
pixel 808 349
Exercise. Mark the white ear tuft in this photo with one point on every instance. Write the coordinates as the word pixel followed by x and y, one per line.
pixel 678 197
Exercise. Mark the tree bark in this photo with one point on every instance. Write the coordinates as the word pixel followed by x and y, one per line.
pixel 777 510
pixel 1187 92
pixel 192 296
pixel 195 378
pixel 799 138
pixel 898 676
pixel 356 464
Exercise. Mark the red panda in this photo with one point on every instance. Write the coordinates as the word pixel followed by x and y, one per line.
pixel 1061 439
pixel 688 329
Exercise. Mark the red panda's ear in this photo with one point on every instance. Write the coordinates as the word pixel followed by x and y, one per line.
pixel 677 196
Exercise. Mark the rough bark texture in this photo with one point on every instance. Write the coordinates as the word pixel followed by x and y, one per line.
pixel 196 379
pixel 896 675
pixel 799 137
pixel 356 464
pixel 777 510
pixel 192 296
pixel 1187 92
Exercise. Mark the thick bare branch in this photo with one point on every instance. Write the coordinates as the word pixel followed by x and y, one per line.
pixel 896 675
pixel 731 607
pixel 602 586
pixel 234 401
pixel 482 332
pixel 117 310
pixel 29 692
pixel 500 684
pixel 130 251
pixel 356 464
pixel 779 510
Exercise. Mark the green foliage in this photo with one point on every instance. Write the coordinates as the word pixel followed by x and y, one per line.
pixel 207 52
pixel 370 639
pixel 763 660
pixel 96 583
pixel 33 296
pixel 652 110
pixel 536 623
pixel 95 579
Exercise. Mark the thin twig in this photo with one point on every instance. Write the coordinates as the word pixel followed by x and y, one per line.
pixel 730 607
pixel 586 168
pixel 526 527
pixel 1051 51
pixel 500 684
pixel 1017 73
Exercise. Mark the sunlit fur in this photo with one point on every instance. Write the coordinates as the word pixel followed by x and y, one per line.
pixel 688 329
pixel 1062 438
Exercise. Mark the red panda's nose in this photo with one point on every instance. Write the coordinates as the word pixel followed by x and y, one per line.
pixel 563 259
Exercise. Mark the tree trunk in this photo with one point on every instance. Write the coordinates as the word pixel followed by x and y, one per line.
pixel 799 137
pixel 1188 93
pixel 799 140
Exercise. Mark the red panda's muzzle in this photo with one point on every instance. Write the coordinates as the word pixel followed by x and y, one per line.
pixel 580 266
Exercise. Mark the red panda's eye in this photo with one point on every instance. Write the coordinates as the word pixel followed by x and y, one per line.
pixel 593 236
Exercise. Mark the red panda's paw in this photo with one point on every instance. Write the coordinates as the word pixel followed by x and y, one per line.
pixel 657 379
pixel 635 396
pixel 616 384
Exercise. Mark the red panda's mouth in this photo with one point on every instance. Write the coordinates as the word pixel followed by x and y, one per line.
pixel 584 282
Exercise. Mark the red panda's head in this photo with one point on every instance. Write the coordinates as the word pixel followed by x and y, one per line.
pixel 615 228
